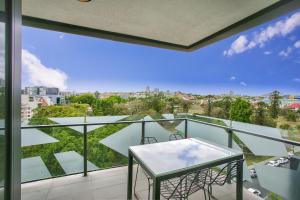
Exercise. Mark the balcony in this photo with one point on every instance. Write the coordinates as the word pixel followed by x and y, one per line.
pixel 105 184
pixel 95 168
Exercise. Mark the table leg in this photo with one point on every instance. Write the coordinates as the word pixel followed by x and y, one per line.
pixel 156 189
pixel 129 180
pixel 239 181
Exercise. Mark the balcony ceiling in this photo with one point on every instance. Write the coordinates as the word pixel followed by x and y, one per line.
pixel 175 24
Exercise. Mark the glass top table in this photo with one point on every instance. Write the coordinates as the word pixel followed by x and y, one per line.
pixel 166 160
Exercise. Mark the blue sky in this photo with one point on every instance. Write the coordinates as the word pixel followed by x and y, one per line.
pixel 254 62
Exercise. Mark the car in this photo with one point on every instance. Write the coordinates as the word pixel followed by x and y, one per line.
pixel 253 173
pixel 290 154
pixel 272 163
pixel 282 160
pixel 255 191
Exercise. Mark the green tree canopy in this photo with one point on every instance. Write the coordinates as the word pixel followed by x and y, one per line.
pixel 275 104
pixel 241 110
pixel 84 99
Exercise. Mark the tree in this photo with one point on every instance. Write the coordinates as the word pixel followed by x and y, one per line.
pixel 226 105
pixel 209 104
pixel 260 113
pixel 241 110
pixel 84 99
pixel 97 94
pixel 291 116
pixel 275 104
pixel 173 102
pixel 186 105
pixel 156 102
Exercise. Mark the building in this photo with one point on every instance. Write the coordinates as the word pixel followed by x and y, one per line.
pixel 28 104
pixel 294 106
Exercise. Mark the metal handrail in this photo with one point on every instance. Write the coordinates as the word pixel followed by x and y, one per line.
pixel 100 123
pixel 227 128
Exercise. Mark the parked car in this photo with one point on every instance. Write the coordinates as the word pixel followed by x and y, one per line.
pixel 255 191
pixel 253 173
pixel 273 163
pixel 290 154
pixel 282 160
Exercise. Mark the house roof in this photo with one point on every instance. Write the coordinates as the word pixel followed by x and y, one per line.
pixel 294 106
pixel 182 25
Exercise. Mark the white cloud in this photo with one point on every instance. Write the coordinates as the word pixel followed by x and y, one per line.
pixel 297 44
pixel 267 52
pixel 296 80
pixel 238 46
pixel 258 39
pixel 243 83
pixel 41 75
pixel 61 36
pixel 285 53
pixel 232 78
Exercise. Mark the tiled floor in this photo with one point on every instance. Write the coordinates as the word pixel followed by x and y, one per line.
pixel 105 184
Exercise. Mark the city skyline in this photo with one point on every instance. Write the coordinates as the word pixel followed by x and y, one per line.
pixel 270 53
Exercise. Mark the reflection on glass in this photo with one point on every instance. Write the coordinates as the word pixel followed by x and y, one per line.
pixel 2 103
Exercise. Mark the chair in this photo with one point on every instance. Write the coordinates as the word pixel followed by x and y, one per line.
pixel 147 140
pixel 182 187
pixel 220 177
pixel 175 136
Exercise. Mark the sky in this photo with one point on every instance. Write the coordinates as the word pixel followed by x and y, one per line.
pixel 254 62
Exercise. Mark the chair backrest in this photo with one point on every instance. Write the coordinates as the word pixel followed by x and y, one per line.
pixel 220 177
pixel 149 140
pixel 175 136
pixel 183 186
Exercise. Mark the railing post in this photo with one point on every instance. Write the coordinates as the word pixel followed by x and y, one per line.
pixel 185 128
pixel 85 150
pixel 230 133
pixel 143 132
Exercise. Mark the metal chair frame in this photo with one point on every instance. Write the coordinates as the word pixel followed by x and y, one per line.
pixel 147 140
pixel 175 136
pixel 228 172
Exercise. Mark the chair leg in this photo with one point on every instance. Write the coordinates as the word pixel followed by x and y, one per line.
pixel 149 189
pixel 136 175
pixel 204 193
pixel 208 191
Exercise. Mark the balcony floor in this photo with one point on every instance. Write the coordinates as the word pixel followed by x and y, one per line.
pixel 105 184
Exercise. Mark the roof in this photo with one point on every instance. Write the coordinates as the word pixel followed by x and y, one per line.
pixel 181 25
pixel 294 106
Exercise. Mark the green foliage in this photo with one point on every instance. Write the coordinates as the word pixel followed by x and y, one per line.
pixel 241 110
pixel 291 116
pixel 284 126
pixel 72 110
pixel 83 99
pixel 109 106
pixel 224 104
pixel 209 104
pixel 274 196
pixel 156 102
pixel 298 127
pixel 186 105
pixel 71 140
pixel 173 102
pixel 275 104
pixel 261 116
